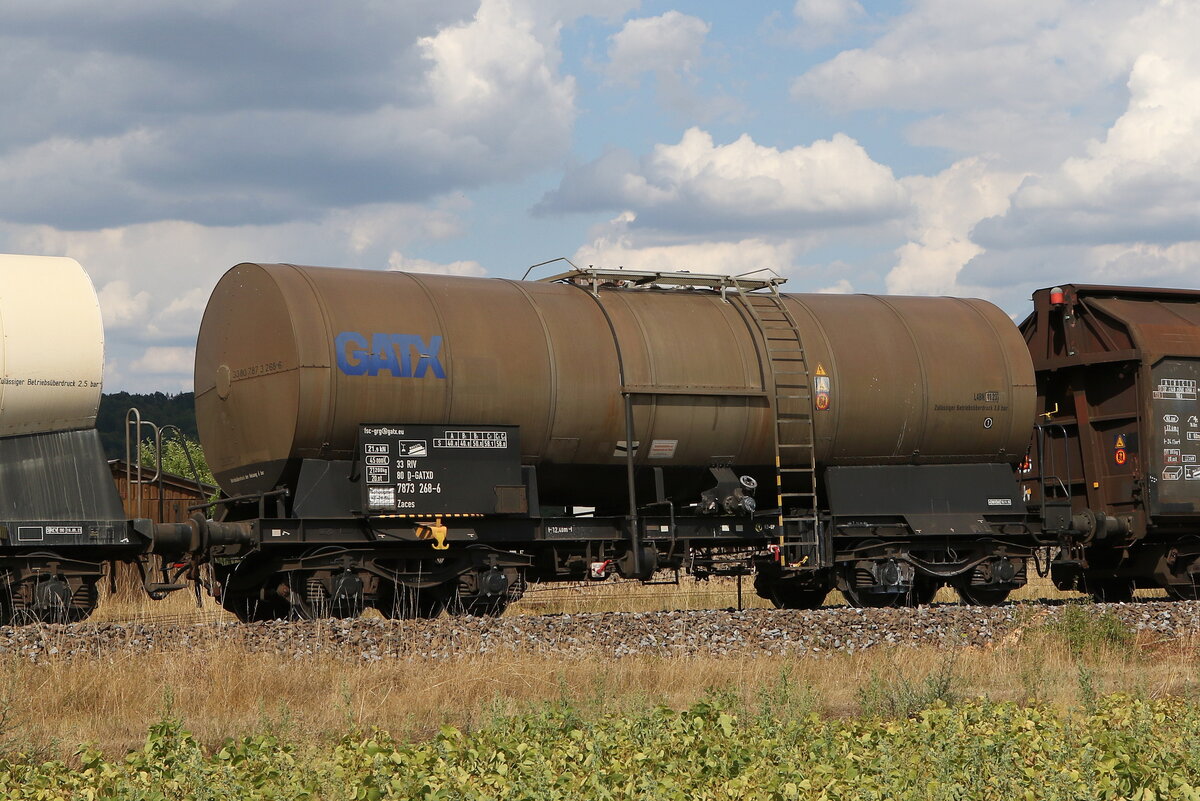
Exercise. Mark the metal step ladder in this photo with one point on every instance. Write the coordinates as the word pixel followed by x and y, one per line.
pixel 795 436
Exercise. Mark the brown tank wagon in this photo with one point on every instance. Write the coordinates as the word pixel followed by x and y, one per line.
pixel 884 432
pixel 290 360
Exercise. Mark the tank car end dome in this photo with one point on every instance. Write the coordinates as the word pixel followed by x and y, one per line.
pixel 51 348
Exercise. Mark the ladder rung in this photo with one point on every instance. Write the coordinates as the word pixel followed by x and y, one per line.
pixel 795 445
pixel 794 418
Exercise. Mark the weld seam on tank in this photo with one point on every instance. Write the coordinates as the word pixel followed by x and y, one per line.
pixel 734 336
pixel 651 369
pixel 926 391
pixel 551 369
pixel 1009 367
pixel 766 374
pixel 329 408
pixel 612 332
pixel 447 346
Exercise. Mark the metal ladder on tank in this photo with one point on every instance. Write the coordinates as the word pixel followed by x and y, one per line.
pixel 795 436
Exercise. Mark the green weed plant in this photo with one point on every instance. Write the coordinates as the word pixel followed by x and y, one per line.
pixel 1086 632
pixel 1124 748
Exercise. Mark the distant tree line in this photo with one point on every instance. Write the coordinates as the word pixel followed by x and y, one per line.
pixel 156 407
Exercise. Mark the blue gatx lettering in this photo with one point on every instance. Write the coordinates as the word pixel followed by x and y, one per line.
pixel 392 353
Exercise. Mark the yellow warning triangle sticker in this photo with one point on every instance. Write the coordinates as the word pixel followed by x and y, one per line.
pixel 1120 440
pixel 821 369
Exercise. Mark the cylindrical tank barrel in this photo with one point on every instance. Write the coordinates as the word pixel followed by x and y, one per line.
pixel 52 351
pixel 290 360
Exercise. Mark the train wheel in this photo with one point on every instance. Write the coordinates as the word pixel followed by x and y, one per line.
pixel 1111 591
pixel 788 594
pixel 982 596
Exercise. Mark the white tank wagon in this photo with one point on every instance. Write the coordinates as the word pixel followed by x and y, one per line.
pixel 61 518
pixel 52 346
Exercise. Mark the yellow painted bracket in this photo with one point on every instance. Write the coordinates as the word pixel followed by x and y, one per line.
pixel 433 531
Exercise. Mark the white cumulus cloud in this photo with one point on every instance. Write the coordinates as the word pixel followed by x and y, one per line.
pixel 670 44
pixel 822 21
pixel 1140 183
pixel 121 306
pixel 738 187
pixel 159 360
pixel 1025 80
pixel 947 206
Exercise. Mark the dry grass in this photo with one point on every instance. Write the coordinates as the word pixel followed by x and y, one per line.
pixel 221 690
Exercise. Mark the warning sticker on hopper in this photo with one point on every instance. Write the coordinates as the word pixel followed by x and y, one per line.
pixel 823 387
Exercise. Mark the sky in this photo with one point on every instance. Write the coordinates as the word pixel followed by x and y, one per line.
pixel 931 147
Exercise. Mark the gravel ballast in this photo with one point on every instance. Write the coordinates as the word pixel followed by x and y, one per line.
pixel 615 634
